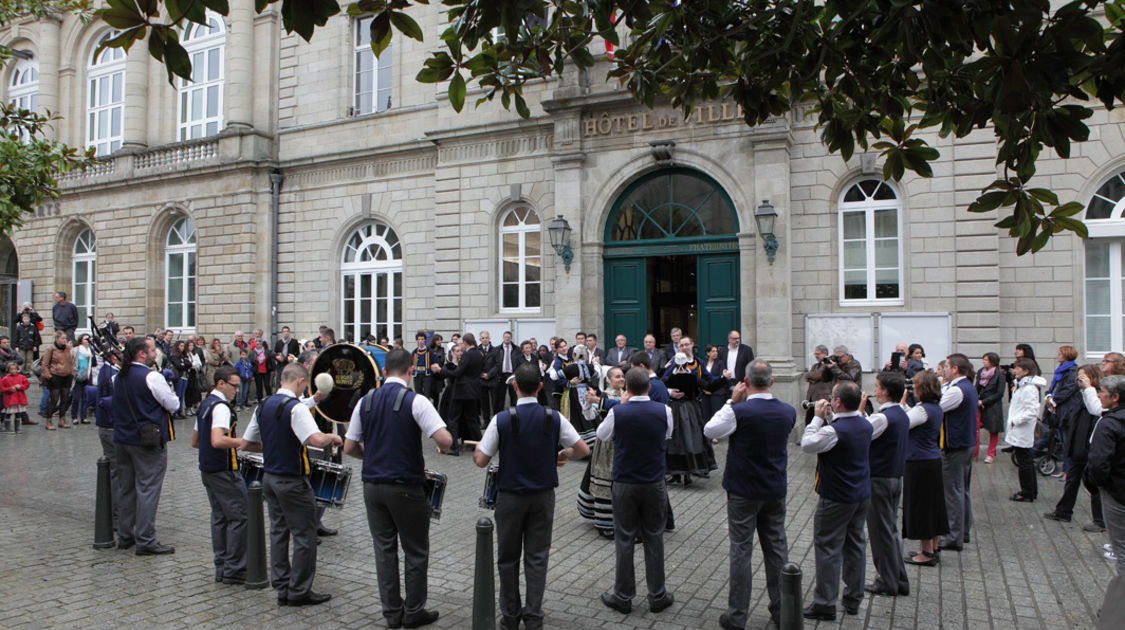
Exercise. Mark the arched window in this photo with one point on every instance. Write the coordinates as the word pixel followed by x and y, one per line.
pixel 1105 268
pixel 84 260
pixel 105 98
pixel 23 89
pixel 870 243
pixel 371 281
pixel 673 203
pixel 520 259
pixel 179 273
pixel 201 99
pixel 373 75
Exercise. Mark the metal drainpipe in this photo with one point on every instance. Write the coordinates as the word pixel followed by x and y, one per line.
pixel 276 178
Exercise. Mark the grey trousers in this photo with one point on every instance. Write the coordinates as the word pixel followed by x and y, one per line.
pixel 1114 514
pixel 524 523
pixel 140 478
pixel 292 512
pixel 638 508
pixel 744 517
pixel 840 545
pixel 229 508
pixel 956 474
pixel 109 449
pixel 399 513
pixel 882 531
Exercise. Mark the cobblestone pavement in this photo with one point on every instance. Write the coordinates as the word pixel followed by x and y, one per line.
pixel 1020 571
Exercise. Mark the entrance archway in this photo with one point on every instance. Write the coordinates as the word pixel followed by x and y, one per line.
pixel 9 280
pixel 671 259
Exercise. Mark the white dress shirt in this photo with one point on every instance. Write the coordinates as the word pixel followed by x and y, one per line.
pixel 820 436
pixel 952 397
pixel 220 414
pixel 160 389
pixel 425 415
pixel 301 422
pixel 605 429
pixel 723 423
pixel 732 359
pixel 490 441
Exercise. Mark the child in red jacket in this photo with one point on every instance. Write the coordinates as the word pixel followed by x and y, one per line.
pixel 14 385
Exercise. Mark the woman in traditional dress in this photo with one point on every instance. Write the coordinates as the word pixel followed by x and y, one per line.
pixel 595 501
pixel 572 378
pixel 689 452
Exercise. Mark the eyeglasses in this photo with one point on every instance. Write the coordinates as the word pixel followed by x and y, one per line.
pixel 230 383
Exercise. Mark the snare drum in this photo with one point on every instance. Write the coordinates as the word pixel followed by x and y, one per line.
pixel 435 490
pixel 251 466
pixel 488 497
pixel 329 482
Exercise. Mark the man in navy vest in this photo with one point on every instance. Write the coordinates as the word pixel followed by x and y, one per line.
pixel 958 441
pixel 639 427
pixel 215 437
pixel 657 392
pixel 141 397
pixel 843 481
pixel 422 360
pixel 386 432
pixel 280 429
pixel 525 500
pixel 755 480
pixel 890 428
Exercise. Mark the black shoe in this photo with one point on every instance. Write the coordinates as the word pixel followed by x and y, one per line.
pixel 311 598
pixel 125 544
pixel 1094 527
pixel 326 531
pixel 951 547
pixel 455 452
pixel 608 533
pixel 657 605
pixel 1019 497
pixel 233 579
pixel 875 589
pixel 820 614
pixel 851 610
pixel 219 578
pixel 904 591
pixel 609 599
pixel 1055 516
pixel 158 550
pixel 424 618
pixel 726 624
pixel 1007 449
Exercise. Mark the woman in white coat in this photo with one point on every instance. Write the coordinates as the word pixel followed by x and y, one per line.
pixel 1022 415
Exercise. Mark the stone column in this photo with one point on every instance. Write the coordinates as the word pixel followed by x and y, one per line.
pixel 49 71
pixel 136 97
pixel 239 65
pixel 568 284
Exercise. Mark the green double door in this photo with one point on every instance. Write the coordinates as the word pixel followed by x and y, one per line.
pixel 652 294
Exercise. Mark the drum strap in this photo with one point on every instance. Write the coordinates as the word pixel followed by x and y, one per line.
pixel 514 420
pixel 398 399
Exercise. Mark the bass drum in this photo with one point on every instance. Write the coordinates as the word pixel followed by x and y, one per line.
pixel 355 370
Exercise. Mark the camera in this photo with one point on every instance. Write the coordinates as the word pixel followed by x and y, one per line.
pixel 808 404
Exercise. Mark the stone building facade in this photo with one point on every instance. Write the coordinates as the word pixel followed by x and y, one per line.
pixel 393 213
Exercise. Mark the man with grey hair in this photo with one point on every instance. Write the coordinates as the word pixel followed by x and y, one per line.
pixel 820 380
pixel 844 367
pixel 755 480
pixel 671 349
pixel 237 345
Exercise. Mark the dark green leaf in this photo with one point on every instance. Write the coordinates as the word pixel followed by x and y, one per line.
pixel 222 7
pixel 1068 209
pixel 177 60
pixel 457 91
pixel 406 25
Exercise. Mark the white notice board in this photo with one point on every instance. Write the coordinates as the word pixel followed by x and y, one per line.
pixel 541 329
pixel 857 332
pixel 495 328
pixel 934 331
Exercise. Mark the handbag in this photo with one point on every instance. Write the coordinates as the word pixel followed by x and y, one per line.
pixel 37 367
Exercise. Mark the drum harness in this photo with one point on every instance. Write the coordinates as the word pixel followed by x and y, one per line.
pixel 365 404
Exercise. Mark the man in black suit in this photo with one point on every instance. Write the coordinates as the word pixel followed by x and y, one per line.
pixel 735 356
pixel 503 396
pixel 489 376
pixel 656 355
pixel 595 351
pixel 755 480
pixel 528 354
pixel 671 349
pixel 465 410
pixel 285 346
pixel 579 340
pixel 619 354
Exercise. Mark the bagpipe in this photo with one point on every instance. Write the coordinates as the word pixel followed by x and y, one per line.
pixel 103 343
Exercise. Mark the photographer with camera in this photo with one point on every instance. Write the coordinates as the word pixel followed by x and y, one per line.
pixel 820 381
pixel 843 366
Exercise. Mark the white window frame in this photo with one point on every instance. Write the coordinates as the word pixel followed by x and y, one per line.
pixel 522 230
pixel 382 93
pixel 84 253
pixel 184 229
pixel 869 206
pixel 371 237
pixel 1112 227
pixel 23 88
pixel 206 47
pixel 101 74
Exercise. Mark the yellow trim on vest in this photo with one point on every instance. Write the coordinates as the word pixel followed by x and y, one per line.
pixel 232 454
pixel 305 460
pixel 171 430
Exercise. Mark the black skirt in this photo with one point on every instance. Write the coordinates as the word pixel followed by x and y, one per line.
pixel 923 500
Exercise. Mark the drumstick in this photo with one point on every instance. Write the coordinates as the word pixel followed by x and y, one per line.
pixel 473 442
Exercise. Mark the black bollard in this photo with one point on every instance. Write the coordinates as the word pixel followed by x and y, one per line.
pixel 103 507
pixel 791 618
pixel 484 587
pixel 256 577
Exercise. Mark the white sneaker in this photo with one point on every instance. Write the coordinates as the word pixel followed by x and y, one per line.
pixel 1109 555
pixel 1107 547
